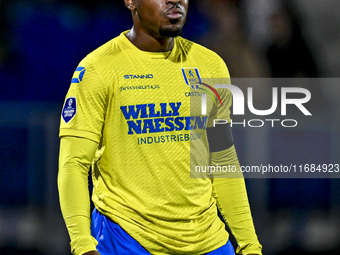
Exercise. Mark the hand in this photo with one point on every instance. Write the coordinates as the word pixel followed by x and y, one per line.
pixel 91 253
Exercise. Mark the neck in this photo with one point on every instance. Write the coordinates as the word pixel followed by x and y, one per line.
pixel 146 42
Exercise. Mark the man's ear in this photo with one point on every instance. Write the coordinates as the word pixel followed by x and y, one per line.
pixel 130 4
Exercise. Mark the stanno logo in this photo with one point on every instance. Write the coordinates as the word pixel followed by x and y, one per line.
pixel 78 74
pixel 132 76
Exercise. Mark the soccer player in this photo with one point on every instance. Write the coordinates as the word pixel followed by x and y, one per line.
pixel 131 114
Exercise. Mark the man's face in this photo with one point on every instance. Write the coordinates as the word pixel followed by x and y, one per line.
pixel 162 18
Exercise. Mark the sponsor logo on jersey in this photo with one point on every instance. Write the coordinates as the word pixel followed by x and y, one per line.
pixel 141 87
pixel 69 109
pixel 132 76
pixel 78 74
pixel 193 79
pixel 165 117
pixel 193 94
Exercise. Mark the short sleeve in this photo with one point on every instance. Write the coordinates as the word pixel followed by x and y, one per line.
pixel 83 113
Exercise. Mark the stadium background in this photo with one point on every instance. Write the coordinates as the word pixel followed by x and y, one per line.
pixel 41 43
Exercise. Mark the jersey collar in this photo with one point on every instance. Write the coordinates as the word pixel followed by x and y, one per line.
pixel 125 42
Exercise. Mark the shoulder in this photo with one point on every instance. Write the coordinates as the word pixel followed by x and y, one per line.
pixel 196 50
pixel 209 62
pixel 103 62
pixel 104 55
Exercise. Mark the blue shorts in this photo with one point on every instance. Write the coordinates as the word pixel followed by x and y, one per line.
pixel 113 240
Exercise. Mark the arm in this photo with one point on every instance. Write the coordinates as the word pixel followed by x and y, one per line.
pixel 229 189
pixel 230 192
pixel 75 159
pixel 81 126
pixel 232 202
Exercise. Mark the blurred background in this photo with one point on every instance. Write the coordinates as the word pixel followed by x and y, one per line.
pixel 41 44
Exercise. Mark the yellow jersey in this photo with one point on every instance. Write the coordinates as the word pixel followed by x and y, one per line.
pixel 143 110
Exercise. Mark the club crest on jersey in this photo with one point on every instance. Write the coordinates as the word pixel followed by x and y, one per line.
pixel 69 109
pixel 78 74
pixel 191 77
